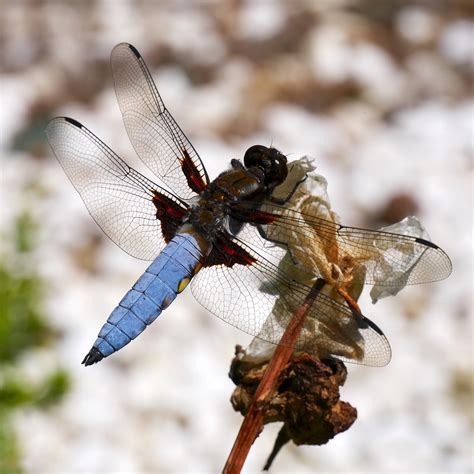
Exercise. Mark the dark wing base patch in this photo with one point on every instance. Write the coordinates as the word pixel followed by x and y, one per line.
pixel 227 252
pixel 193 176
pixel 253 216
pixel 169 212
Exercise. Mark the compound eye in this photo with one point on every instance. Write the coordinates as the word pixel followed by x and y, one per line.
pixel 280 169
pixel 255 155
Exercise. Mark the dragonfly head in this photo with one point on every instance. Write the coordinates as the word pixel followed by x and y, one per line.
pixel 268 160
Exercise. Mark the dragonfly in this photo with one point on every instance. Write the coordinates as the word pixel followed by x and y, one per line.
pixel 227 237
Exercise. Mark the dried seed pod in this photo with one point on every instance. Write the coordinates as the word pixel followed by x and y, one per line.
pixel 306 398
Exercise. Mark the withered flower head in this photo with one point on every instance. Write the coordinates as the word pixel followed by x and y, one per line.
pixel 341 262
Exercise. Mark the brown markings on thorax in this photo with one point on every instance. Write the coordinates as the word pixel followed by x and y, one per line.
pixel 236 184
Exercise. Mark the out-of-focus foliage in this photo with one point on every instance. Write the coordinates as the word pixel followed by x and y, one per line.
pixel 23 327
pixel 15 391
pixel 21 322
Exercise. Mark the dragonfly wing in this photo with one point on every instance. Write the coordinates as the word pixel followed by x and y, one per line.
pixel 389 259
pixel 260 297
pixel 132 210
pixel 156 137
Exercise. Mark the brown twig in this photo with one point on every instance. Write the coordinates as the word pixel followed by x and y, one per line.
pixel 282 438
pixel 253 421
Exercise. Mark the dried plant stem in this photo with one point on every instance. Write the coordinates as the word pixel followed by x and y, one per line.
pixel 282 438
pixel 253 421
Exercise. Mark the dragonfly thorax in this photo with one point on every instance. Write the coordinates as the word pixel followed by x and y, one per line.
pixel 207 215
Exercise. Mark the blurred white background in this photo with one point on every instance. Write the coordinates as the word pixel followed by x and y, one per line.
pixel 378 92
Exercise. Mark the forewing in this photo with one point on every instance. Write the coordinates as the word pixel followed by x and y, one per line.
pixel 260 298
pixel 389 259
pixel 121 200
pixel 156 137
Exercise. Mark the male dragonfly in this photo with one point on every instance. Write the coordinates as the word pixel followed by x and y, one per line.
pixel 228 235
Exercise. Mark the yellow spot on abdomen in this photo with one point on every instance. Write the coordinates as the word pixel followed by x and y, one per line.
pixel 183 284
pixel 197 268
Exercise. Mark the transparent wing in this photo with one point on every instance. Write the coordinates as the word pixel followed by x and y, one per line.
pixel 387 257
pixel 260 299
pixel 156 137
pixel 118 198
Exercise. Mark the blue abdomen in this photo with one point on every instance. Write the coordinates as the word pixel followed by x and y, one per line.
pixel 153 292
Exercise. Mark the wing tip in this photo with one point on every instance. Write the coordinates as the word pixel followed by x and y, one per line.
pixel 129 46
pixel 134 50
pixel 72 122
pixel 419 240
pixel 446 261
pixel 56 121
pixel 384 360
pixel 125 45
pixel 365 322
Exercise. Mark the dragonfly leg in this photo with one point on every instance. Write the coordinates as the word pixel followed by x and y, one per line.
pixel 284 200
pixel 264 235
pixel 351 302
